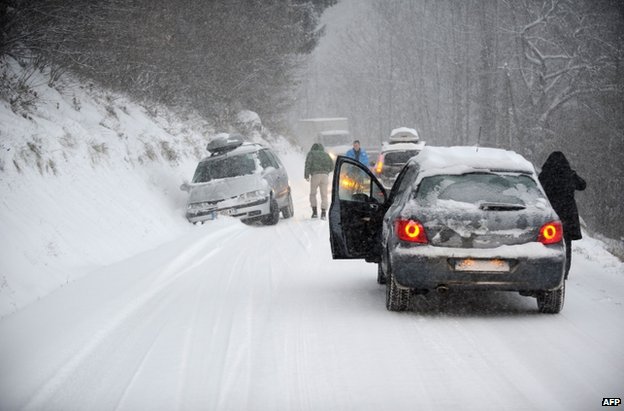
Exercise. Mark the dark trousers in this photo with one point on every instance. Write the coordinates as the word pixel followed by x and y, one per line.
pixel 568 245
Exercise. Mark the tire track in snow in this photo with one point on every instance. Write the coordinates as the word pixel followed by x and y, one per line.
pixel 260 344
pixel 190 336
pixel 182 264
pixel 249 269
pixel 181 311
pixel 247 334
pixel 215 338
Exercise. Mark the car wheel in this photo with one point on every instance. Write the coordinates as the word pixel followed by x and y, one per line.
pixel 397 299
pixel 289 210
pixel 274 214
pixel 381 277
pixel 551 302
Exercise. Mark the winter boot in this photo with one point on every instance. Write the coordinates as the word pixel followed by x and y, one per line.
pixel 323 214
pixel 314 215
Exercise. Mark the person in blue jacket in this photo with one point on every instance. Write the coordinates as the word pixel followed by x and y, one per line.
pixel 358 153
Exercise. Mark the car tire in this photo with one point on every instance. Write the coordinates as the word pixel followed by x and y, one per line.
pixel 551 302
pixel 289 210
pixel 397 299
pixel 381 277
pixel 274 213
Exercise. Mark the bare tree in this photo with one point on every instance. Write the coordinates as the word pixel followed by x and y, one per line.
pixel 218 56
pixel 565 54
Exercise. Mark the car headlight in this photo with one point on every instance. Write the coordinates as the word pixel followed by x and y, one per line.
pixel 253 195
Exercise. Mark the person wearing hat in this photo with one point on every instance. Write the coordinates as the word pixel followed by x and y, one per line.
pixel 358 153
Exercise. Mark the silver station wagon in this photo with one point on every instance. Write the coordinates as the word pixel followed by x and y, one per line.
pixel 239 179
pixel 456 217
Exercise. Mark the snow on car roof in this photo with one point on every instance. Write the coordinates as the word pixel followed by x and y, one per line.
pixel 460 160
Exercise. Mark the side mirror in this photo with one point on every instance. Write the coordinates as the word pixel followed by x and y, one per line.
pixel 185 186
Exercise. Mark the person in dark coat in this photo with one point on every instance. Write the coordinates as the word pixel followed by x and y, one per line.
pixel 560 182
pixel 318 165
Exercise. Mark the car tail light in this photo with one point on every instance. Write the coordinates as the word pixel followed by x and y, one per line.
pixel 551 233
pixel 379 165
pixel 411 231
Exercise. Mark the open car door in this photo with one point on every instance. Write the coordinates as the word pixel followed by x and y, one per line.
pixel 356 212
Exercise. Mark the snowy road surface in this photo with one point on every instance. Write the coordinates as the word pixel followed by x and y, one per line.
pixel 236 317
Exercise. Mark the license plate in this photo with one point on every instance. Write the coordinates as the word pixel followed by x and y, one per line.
pixel 470 264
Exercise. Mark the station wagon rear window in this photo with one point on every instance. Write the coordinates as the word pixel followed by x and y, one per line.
pixel 479 188
pixel 399 157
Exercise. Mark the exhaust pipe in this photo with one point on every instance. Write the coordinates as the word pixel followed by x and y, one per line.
pixel 442 289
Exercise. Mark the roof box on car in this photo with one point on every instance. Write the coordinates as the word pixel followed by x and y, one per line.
pixel 224 142
pixel 404 135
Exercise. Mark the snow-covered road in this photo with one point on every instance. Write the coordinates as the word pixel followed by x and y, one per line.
pixel 236 317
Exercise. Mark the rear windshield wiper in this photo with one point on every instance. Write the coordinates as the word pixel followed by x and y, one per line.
pixel 501 207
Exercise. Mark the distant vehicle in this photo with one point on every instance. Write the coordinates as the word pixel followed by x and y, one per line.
pixel 456 217
pixel 239 179
pixel 335 142
pixel 404 143
pixel 331 132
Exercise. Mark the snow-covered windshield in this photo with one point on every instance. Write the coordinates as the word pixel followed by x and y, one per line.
pixel 479 188
pixel 218 168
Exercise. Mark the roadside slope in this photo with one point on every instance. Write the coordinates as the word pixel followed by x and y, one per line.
pixel 88 178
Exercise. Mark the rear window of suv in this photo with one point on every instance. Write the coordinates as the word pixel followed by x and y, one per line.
pixel 225 167
pixel 479 188
pixel 399 157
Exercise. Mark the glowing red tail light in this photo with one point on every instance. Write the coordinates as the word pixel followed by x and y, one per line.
pixel 551 233
pixel 379 165
pixel 411 231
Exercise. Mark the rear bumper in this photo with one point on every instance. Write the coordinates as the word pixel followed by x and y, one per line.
pixel 532 267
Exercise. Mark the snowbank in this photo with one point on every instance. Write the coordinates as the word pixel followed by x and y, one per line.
pixel 89 178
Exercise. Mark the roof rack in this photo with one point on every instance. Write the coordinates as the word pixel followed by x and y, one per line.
pixel 224 143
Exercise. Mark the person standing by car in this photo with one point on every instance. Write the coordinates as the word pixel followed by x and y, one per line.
pixel 358 153
pixel 560 181
pixel 318 165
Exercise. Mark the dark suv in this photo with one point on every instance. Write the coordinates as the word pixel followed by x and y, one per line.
pixel 393 158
